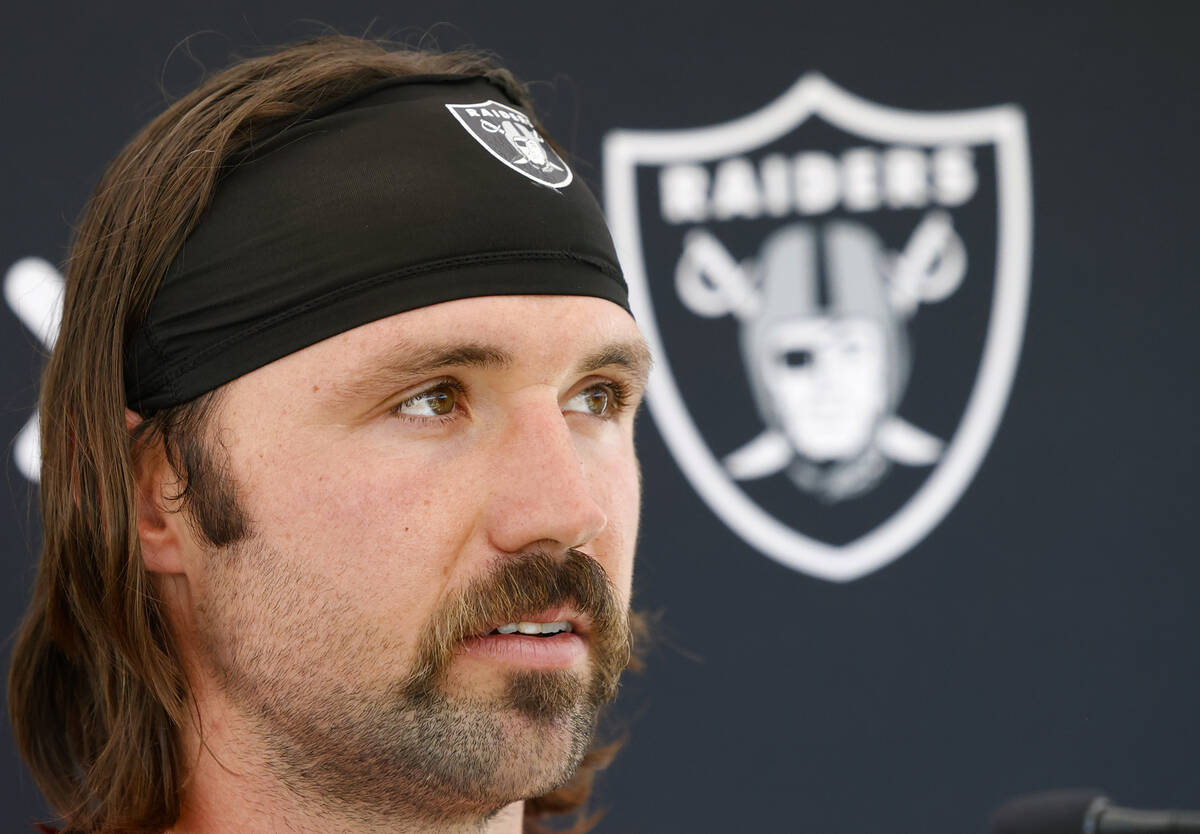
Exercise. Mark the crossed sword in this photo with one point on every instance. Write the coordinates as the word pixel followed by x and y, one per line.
pixel 33 289
pixel 491 128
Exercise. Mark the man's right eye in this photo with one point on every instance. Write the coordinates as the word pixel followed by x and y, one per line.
pixel 438 401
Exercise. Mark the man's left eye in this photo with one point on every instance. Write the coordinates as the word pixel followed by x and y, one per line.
pixel 438 401
pixel 596 400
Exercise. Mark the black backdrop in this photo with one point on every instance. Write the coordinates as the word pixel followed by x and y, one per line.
pixel 1043 633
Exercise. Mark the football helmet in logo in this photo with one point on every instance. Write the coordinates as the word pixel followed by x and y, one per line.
pixel 823 314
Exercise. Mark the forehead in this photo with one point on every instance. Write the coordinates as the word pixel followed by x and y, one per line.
pixel 547 333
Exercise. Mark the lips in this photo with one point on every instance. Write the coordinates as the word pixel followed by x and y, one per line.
pixel 548 640
pixel 541 625
pixel 559 651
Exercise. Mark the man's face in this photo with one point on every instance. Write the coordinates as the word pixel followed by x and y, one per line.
pixel 828 377
pixel 411 485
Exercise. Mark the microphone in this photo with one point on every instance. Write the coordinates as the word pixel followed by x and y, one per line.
pixel 1086 812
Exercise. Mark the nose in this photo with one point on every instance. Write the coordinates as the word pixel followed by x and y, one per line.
pixel 541 493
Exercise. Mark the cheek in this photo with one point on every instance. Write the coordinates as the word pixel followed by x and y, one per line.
pixel 270 627
pixel 385 530
pixel 617 487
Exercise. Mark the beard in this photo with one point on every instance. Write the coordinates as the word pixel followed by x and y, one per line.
pixel 295 659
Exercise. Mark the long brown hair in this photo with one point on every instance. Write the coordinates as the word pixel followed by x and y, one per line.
pixel 96 690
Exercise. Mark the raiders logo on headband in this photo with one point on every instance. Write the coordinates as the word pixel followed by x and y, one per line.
pixel 509 135
pixel 835 293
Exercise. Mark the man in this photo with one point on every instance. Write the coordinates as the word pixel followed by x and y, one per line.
pixel 339 488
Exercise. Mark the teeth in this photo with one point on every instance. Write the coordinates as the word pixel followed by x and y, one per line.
pixel 525 627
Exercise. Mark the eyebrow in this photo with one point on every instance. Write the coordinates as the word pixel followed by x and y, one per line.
pixel 405 363
pixel 633 356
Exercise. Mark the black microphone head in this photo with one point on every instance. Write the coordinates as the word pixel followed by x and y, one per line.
pixel 1049 812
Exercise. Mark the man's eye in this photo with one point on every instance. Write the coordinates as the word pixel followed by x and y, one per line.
pixel 432 402
pixel 597 400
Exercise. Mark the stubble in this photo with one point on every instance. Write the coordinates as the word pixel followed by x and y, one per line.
pixel 291 656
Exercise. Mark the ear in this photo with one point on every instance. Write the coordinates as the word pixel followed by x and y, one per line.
pixel 161 528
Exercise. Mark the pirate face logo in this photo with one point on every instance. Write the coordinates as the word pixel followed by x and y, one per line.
pixel 529 146
pixel 509 135
pixel 819 250
pixel 825 347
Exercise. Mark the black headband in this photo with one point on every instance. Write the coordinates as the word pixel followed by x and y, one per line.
pixel 416 191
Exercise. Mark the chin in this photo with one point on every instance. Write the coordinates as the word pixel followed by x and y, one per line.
pixel 550 718
pixel 542 758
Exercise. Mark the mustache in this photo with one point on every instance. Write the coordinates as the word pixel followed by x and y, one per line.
pixel 524 585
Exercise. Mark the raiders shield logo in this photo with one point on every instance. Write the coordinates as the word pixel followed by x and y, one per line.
pixel 835 292
pixel 509 135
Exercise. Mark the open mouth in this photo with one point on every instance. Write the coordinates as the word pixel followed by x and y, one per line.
pixel 553 640
pixel 533 629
